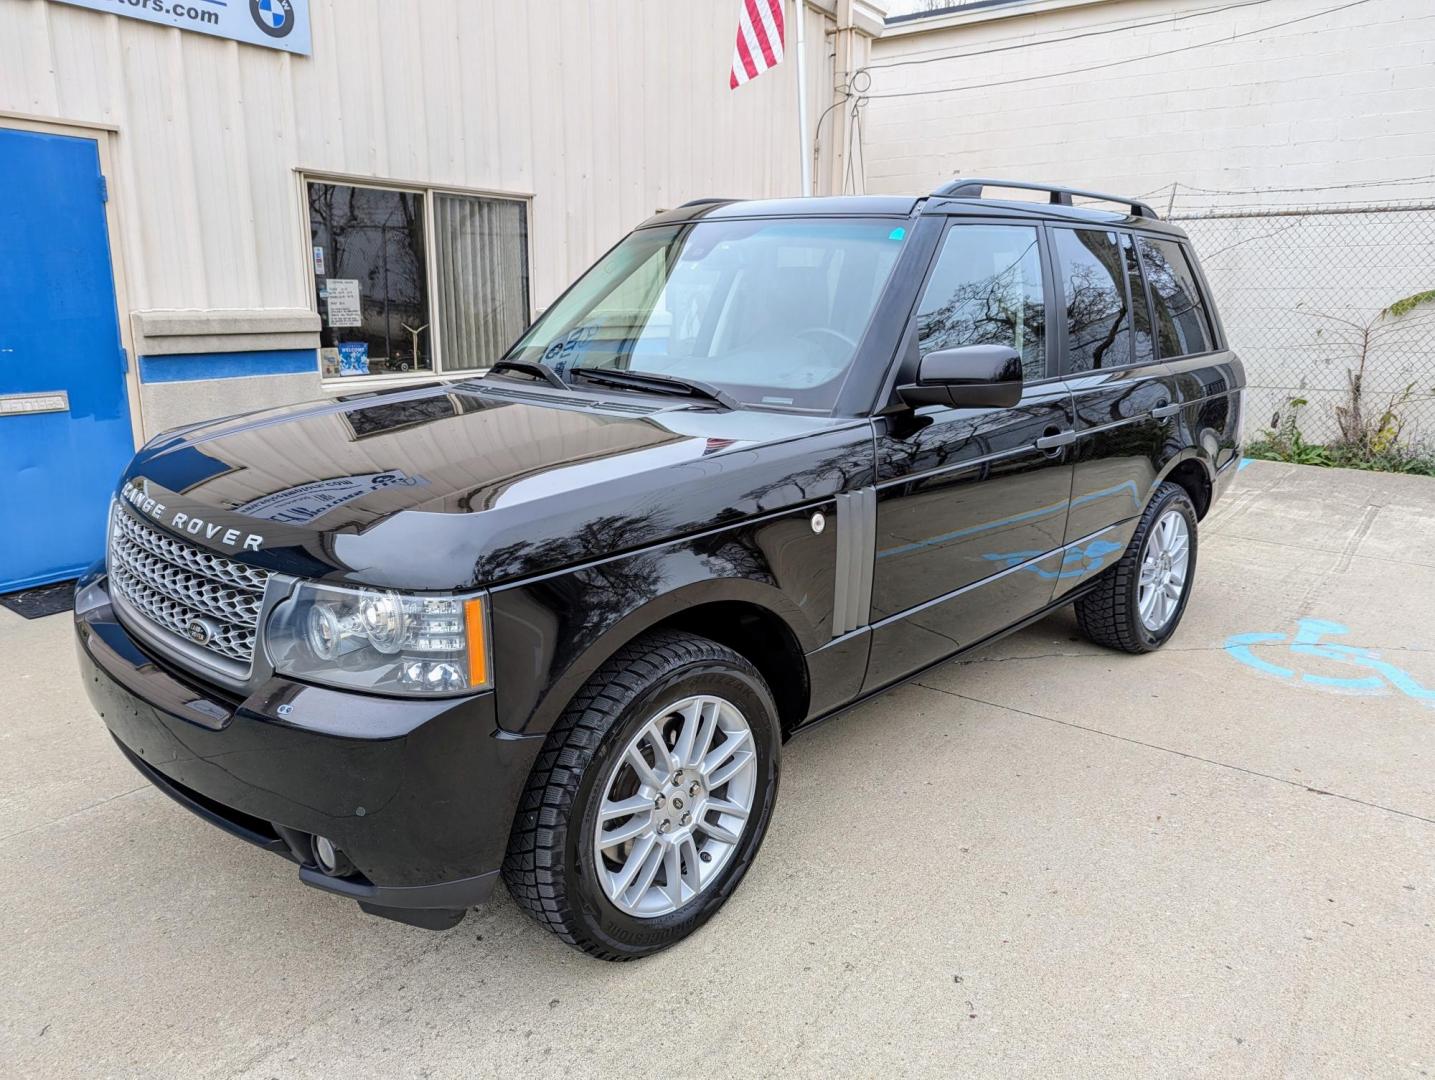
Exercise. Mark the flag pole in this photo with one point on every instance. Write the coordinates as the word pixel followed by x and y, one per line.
pixel 804 154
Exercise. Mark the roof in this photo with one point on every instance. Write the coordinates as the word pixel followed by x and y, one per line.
pixel 900 206
pixel 818 206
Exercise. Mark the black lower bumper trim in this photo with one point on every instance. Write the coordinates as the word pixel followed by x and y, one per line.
pixel 445 896
pixel 249 829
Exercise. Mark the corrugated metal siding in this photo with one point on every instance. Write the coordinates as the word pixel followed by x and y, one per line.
pixel 603 110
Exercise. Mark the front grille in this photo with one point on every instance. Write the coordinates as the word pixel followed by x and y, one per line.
pixel 175 586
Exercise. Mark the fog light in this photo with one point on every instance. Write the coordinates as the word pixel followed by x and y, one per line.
pixel 329 858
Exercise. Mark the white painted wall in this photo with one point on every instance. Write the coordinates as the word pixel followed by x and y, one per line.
pixel 1340 99
pixel 603 110
pixel 1339 107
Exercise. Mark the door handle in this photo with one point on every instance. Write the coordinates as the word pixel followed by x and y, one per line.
pixel 1160 412
pixel 1054 439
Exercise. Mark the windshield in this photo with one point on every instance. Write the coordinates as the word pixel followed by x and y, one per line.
pixel 769 311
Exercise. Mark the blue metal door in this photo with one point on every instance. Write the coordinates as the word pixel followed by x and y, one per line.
pixel 64 415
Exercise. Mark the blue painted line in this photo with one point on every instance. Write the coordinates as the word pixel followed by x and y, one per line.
pixel 1244 462
pixel 191 367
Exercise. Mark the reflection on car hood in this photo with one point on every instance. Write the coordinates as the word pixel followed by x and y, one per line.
pixel 453 485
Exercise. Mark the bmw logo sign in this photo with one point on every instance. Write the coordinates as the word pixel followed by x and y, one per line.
pixel 274 17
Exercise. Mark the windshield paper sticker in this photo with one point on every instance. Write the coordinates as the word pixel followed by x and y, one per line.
pixel 304 503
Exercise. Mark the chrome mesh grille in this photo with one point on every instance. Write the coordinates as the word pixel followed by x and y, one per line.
pixel 175 585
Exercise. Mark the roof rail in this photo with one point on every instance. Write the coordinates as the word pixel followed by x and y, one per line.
pixel 971 188
pixel 703 202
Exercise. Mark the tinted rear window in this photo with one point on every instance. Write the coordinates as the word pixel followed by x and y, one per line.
pixel 1182 327
pixel 1098 322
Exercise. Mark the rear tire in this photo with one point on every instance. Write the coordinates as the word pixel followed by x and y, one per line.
pixel 664 707
pixel 1132 607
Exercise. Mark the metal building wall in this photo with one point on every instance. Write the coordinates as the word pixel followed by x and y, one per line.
pixel 602 111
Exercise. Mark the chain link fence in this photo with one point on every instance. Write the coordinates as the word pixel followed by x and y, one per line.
pixel 1305 294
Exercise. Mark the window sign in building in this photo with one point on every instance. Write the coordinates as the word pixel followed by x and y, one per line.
pixel 407 280
pixel 273 24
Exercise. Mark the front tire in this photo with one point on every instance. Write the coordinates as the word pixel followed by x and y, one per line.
pixel 1138 603
pixel 650 798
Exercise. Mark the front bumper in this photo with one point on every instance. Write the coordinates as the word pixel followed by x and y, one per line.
pixel 419 795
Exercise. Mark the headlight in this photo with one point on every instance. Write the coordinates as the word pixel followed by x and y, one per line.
pixel 379 640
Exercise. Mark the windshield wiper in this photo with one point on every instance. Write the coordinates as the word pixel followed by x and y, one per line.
pixel 535 368
pixel 662 384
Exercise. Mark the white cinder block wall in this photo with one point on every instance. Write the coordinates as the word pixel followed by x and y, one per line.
pixel 1334 108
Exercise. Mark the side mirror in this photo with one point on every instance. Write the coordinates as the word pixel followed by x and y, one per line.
pixel 971 377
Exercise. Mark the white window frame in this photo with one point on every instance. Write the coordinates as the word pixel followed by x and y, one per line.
pixel 303 177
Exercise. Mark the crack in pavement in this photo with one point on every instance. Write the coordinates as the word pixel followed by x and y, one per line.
pixel 1332 552
pixel 73 813
pixel 1108 655
pixel 1182 753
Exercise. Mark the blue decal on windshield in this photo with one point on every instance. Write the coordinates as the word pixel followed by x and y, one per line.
pixel 897 233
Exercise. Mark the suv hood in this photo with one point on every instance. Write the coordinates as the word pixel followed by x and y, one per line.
pixel 453 486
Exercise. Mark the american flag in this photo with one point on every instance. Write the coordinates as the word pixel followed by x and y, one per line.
pixel 759 40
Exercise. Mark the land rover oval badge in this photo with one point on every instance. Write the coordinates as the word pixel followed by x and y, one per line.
pixel 199 632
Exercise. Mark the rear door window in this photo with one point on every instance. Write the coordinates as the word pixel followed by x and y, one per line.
pixel 1098 316
pixel 986 290
pixel 1182 327
pixel 1142 340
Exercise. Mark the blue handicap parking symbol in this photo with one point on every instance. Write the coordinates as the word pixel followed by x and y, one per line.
pixel 1308 641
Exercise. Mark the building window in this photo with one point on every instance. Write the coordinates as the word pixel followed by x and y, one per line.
pixel 408 280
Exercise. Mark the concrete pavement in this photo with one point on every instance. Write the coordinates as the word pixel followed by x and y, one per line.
pixel 1044 860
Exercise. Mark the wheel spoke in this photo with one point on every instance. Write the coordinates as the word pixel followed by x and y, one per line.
pixel 649 870
pixel 727 806
pixel 738 763
pixel 639 764
pixel 730 746
pixel 673 875
pixel 624 877
pixel 688 733
pixel 640 824
pixel 662 755
pixel 688 849
pixel 1168 533
pixel 633 805
pixel 718 832
pixel 704 741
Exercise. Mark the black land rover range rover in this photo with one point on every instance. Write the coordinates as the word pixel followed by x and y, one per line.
pixel 554 623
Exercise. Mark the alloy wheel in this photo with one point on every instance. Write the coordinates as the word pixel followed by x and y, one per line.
pixel 1164 568
pixel 675 806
